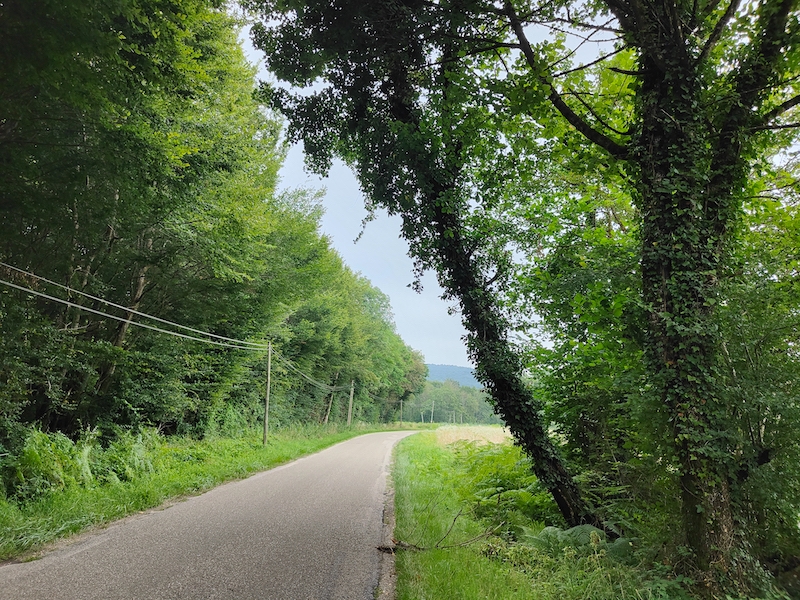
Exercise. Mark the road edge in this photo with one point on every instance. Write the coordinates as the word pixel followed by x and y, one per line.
pixel 387 575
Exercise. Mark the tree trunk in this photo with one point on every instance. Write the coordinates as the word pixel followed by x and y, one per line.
pixel 684 227
pixel 499 368
pixel 107 371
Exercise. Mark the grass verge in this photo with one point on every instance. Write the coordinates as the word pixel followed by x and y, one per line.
pixel 176 467
pixel 461 532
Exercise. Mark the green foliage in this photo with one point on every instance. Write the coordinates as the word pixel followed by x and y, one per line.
pixel 46 463
pixel 49 463
pixel 497 481
pixel 623 183
pixel 563 567
pixel 412 131
pixel 138 167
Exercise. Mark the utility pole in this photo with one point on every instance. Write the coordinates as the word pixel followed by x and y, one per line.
pixel 433 403
pixel 266 400
pixel 350 405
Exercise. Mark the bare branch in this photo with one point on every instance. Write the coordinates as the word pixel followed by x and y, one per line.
pixel 584 38
pixel 589 25
pixel 591 64
pixel 458 514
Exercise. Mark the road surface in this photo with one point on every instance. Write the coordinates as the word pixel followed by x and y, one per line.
pixel 306 530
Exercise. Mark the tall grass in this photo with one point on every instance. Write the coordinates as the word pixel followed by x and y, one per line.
pixel 56 487
pixel 472 524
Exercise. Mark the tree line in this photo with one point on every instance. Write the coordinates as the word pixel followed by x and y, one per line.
pixel 137 167
pixel 449 402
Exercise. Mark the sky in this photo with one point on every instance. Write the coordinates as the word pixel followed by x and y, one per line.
pixel 380 255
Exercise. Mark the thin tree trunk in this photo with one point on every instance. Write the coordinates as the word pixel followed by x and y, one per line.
pixel 140 283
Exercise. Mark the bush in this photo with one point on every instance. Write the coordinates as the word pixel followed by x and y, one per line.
pixel 501 488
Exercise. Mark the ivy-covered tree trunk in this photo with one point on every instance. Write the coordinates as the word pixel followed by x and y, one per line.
pixel 690 162
pixel 406 143
pixel 499 368
pixel 682 234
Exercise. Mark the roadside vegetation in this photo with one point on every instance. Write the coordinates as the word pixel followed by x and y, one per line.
pixel 608 192
pixel 472 522
pixel 139 186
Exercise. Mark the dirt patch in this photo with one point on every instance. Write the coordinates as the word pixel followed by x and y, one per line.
pixel 487 434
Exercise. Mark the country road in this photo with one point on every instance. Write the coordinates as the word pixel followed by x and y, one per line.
pixel 306 530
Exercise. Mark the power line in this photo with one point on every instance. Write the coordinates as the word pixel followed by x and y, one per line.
pixel 124 320
pixel 319 384
pixel 132 311
pixel 235 344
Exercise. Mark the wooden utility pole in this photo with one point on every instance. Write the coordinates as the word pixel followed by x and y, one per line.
pixel 266 399
pixel 433 403
pixel 350 406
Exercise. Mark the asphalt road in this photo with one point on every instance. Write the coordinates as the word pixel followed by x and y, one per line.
pixel 306 530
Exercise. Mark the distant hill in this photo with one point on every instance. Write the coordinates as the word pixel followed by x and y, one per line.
pixel 462 375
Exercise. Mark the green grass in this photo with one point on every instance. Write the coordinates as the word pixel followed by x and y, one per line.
pixel 175 467
pixel 432 486
pixel 425 507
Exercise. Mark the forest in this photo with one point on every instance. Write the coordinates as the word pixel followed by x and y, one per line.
pixel 606 190
pixel 449 402
pixel 138 180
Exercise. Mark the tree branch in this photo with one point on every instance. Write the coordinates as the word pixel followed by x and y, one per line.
pixel 775 127
pixel 591 64
pixel 779 110
pixel 626 72
pixel 595 115
pixel 718 29
pixel 621 10
pixel 588 25
pixel 594 136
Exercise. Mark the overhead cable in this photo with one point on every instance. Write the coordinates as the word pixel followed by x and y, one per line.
pixel 319 384
pixel 228 343
pixel 135 312
pixel 125 320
